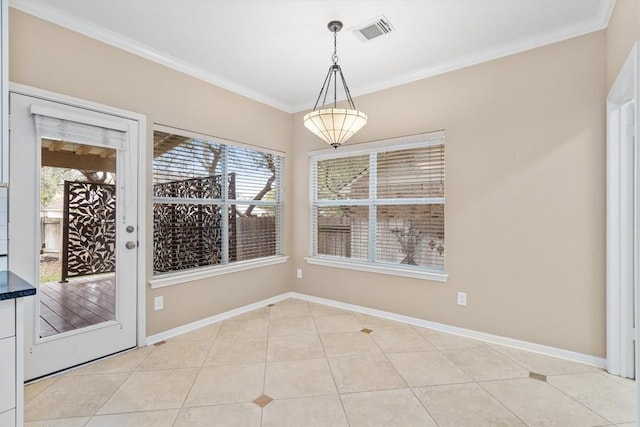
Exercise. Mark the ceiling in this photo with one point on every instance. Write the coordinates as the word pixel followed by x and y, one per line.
pixel 278 51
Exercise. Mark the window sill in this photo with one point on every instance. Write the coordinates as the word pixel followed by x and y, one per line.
pixel 377 268
pixel 177 278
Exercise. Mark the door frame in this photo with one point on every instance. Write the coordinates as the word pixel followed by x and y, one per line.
pixel 623 221
pixel 141 137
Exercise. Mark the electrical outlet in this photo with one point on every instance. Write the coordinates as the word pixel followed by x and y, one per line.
pixel 462 298
pixel 299 273
pixel 158 303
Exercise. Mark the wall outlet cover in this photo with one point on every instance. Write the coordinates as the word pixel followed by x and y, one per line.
pixel 462 298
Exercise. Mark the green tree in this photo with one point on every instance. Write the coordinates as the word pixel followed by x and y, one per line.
pixel 51 180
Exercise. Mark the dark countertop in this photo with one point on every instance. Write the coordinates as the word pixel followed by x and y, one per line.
pixel 13 286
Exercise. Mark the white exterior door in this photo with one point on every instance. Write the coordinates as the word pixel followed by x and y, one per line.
pixel 73 230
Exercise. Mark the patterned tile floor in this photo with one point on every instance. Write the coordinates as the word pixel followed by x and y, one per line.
pixel 304 364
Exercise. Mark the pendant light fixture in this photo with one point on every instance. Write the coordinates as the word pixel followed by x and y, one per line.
pixel 334 125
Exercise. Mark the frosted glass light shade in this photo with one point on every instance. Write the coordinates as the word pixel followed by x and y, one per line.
pixel 335 125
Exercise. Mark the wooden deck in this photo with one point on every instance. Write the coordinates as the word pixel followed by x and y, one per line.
pixel 77 304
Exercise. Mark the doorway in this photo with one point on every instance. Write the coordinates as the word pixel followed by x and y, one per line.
pixel 623 221
pixel 73 218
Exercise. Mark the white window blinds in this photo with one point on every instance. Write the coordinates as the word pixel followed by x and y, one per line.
pixel 382 205
pixel 72 127
pixel 214 203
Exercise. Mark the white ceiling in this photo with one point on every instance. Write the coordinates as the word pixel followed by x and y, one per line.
pixel 278 51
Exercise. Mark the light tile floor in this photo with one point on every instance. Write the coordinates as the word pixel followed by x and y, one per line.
pixel 304 364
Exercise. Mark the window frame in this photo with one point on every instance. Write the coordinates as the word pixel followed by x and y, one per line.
pixel 368 148
pixel 159 280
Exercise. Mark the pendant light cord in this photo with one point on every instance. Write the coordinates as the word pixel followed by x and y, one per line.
pixel 334 69
pixel 332 124
pixel 334 57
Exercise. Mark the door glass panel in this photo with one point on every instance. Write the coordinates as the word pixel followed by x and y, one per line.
pixel 77 281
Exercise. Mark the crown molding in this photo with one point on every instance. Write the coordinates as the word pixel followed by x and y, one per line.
pixel 517 46
pixel 605 12
pixel 112 38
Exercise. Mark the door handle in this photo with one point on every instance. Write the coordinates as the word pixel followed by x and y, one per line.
pixel 130 244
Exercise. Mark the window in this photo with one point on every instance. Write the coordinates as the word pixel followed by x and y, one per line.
pixel 214 203
pixel 381 206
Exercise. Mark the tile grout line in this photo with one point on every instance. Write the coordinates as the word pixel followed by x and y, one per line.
pixel 476 380
pixel 577 401
pixel 506 356
pixel 409 386
pixel 512 359
pixel 118 388
pixel 388 360
pixel 326 358
pixel 442 351
pixel 57 378
pixel 181 408
pixel 113 392
pixel 266 355
pixel 395 369
pixel 504 405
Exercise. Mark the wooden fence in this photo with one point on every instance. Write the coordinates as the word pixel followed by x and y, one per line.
pixel 255 238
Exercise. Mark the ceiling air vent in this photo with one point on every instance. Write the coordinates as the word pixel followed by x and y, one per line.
pixel 372 29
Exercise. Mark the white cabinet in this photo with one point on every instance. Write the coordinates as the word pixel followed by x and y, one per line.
pixel 10 365
pixel 7 318
pixel 8 419
pixel 7 374
pixel 7 362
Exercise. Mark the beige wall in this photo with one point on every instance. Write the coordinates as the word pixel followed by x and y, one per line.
pixel 525 181
pixel 623 31
pixel 525 213
pixel 50 57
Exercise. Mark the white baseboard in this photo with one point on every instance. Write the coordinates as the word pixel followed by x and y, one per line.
pixel 468 333
pixel 152 339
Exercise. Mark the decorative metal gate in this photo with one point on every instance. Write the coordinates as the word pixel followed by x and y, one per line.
pixel 89 232
pixel 188 235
